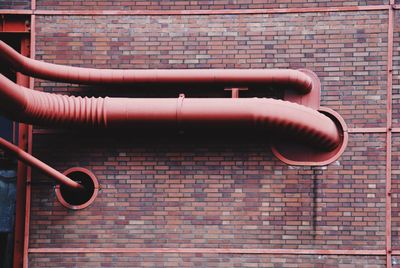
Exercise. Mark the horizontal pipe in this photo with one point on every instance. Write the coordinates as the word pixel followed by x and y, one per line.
pixel 297 121
pixel 297 80
pixel 36 163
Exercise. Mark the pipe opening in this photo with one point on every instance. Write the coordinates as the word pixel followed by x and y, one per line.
pixel 76 200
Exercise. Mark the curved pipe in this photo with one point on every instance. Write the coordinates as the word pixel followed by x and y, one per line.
pixel 35 107
pixel 34 162
pixel 298 80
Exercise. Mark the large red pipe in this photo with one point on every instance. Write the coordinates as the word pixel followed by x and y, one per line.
pixel 298 80
pixel 36 163
pixel 34 107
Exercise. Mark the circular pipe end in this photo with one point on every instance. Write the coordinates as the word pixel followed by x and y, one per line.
pixel 76 200
pixel 301 155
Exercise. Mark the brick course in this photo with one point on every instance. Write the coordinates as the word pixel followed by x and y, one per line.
pixel 396 70
pixel 396 191
pixel 196 5
pixel 205 260
pixel 15 4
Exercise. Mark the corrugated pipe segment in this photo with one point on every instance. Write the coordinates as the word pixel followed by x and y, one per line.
pixel 297 80
pixel 34 107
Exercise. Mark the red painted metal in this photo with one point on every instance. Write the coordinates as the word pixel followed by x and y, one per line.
pixel 214 250
pixel 14 24
pixel 389 138
pixel 196 12
pixel 51 109
pixel 235 91
pixel 92 198
pixel 297 121
pixel 297 80
pixel 30 134
pixel 294 153
pixel 23 173
pixel 27 202
pixel 15 12
pixel 34 162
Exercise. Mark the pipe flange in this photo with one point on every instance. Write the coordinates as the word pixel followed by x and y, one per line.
pixel 72 199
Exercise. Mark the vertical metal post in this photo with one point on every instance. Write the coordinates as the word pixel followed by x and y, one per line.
pixel 30 131
pixel 235 92
pixel 23 173
pixel 389 138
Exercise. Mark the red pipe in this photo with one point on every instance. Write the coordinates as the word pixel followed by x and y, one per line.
pixel 34 107
pixel 34 162
pixel 297 80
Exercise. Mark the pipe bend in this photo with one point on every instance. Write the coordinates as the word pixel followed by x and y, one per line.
pixel 298 80
pixel 295 120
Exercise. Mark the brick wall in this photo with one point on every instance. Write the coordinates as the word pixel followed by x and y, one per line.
pixel 15 4
pixel 396 192
pixel 396 70
pixel 347 50
pixel 207 260
pixel 201 193
pixel 195 5
pixel 221 192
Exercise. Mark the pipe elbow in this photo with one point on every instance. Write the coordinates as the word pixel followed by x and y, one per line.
pixel 33 107
pixel 297 122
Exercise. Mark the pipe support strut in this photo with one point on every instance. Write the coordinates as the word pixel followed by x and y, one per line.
pixel 36 163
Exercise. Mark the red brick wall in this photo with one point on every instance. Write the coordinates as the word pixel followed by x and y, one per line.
pixel 396 192
pixel 346 49
pixel 396 71
pixel 208 260
pixel 201 193
pixel 195 5
pixel 218 192
pixel 15 4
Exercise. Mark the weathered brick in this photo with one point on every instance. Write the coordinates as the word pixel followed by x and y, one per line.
pixel 197 4
pixel 15 4
pixel 205 260
pixel 342 62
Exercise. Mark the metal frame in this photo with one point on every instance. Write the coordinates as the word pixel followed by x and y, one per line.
pixel 213 250
pixel 389 137
pixel 16 24
pixel 23 176
pixel 390 7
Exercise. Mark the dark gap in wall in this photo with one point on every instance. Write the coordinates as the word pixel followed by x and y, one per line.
pixel 173 90
pixel 7 172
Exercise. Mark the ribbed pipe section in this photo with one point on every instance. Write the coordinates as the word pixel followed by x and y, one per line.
pixel 53 109
pixel 277 116
pixel 297 80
